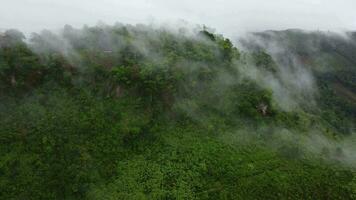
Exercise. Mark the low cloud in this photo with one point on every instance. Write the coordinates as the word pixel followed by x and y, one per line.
pixel 229 16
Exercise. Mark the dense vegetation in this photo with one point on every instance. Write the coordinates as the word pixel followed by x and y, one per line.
pixel 331 58
pixel 135 112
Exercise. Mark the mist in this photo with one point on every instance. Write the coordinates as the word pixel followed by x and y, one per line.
pixel 177 100
pixel 228 17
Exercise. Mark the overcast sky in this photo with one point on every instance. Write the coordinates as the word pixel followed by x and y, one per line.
pixel 226 16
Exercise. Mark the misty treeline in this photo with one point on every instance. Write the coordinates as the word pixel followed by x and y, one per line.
pixel 143 112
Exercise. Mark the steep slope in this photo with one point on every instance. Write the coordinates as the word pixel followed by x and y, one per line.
pixel 329 59
pixel 136 112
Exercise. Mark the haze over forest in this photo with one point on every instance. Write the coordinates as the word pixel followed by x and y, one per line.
pixel 154 99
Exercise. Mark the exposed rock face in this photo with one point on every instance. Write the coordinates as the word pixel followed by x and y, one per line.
pixel 262 108
pixel 118 91
pixel 13 80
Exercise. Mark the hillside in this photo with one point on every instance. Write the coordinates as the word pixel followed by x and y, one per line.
pixel 328 58
pixel 142 112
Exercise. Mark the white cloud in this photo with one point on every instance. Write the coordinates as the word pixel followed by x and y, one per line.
pixel 227 16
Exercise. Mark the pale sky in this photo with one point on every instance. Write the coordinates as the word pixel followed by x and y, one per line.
pixel 226 16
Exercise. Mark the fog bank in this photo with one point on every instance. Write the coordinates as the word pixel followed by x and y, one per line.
pixel 229 16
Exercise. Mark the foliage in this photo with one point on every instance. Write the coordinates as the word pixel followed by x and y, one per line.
pixel 134 112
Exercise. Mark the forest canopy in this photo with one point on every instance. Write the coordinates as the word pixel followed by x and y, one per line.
pixel 142 112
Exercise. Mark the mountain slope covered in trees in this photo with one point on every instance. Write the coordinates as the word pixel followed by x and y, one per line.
pixel 141 112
